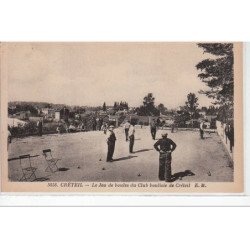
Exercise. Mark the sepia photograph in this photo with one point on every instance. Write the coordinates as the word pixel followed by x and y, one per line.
pixel 153 114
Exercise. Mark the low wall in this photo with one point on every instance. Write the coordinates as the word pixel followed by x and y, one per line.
pixel 221 132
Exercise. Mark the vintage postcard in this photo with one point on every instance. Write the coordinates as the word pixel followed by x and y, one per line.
pixel 122 117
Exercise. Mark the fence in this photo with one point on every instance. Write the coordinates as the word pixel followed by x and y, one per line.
pixel 221 132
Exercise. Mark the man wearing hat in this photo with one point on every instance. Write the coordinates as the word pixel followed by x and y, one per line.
pixel 131 133
pixel 165 147
pixel 111 143
pixel 126 129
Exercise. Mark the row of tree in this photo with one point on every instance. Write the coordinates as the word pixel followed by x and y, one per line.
pixel 23 107
pixel 117 106
pixel 148 108
pixel 218 74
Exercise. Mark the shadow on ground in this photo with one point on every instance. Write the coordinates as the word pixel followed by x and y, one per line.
pixel 180 175
pixel 63 169
pixel 17 158
pixel 143 150
pixel 207 137
pixel 42 179
pixel 125 158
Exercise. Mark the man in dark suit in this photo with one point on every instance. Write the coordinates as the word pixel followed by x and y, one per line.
pixel 165 147
pixel 111 143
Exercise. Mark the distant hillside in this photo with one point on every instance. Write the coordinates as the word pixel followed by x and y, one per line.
pixel 39 104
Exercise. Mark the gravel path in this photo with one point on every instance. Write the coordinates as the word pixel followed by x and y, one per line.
pixel 83 157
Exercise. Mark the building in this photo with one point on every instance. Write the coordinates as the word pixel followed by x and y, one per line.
pixel 111 111
pixel 34 119
pixel 57 116
pixel 45 111
pixel 23 115
pixel 48 112
pixel 114 120
pixel 122 112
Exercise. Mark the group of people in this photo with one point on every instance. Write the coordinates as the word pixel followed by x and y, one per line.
pixel 164 146
pixel 228 130
pixel 111 138
pixel 97 123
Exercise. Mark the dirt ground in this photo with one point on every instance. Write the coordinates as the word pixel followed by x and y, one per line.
pixel 83 157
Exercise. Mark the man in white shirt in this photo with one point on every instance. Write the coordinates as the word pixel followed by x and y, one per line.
pixel 104 128
pixel 40 127
pixel 126 129
pixel 202 130
pixel 131 134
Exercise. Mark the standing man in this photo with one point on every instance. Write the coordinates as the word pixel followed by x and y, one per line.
pixel 153 129
pixel 97 124
pixel 227 129
pixel 40 127
pixel 104 128
pixel 165 147
pixel 231 137
pixel 172 128
pixel 126 129
pixel 202 130
pixel 111 143
pixel 131 134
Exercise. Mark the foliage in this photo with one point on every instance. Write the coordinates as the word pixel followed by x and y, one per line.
pixel 212 110
pixel 225 113
pixel 218 73
pixel 24 107
pixel 181 118
pixel 120 106
pixel 148 108
pixel 78 110
pixel 104 108
pixel 192 103
pixel 163 110
pixel 29 128
pixel 64 113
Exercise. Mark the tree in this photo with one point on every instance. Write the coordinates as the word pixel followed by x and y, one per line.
pixel 192 103
pixel 79 110
pixel 191 106
pixel 162 109
pixel 149 100
pixel 120 106
pixel 224 113
pixel 64 113
pixel 104 108
pixel 116 106
pixel 218 73
pixel 48 105
pixel 212 110
pixel 148 108
pixel 181 118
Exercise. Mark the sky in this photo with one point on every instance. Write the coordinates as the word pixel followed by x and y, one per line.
pixel 93 73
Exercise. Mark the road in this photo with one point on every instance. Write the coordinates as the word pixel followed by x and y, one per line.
pixel 83 157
